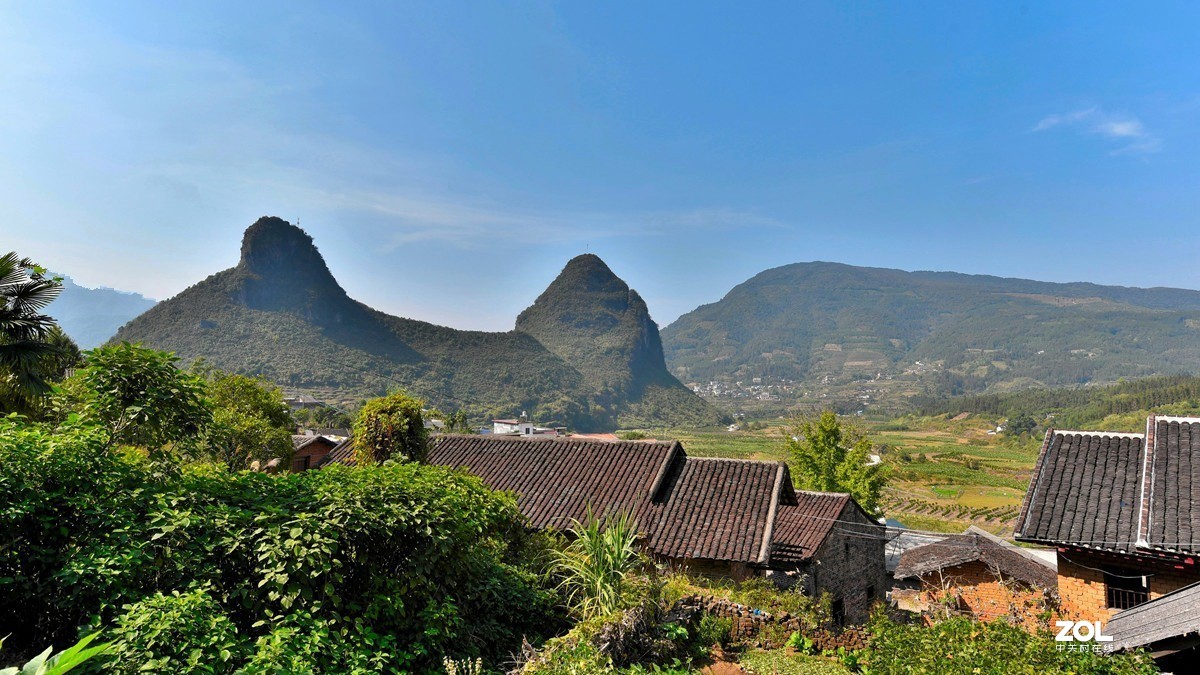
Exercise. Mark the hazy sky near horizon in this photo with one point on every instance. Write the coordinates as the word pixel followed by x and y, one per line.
pixel 449 158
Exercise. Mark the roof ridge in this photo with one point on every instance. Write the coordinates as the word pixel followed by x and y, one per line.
pixel 773 462
pixel 1114 434
pixel 823 493
pixel 1176 418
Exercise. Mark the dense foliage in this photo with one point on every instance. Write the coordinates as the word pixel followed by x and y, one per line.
pixel 281 315
pixel 827 456
pixel 390 427
pixel 338 570
pixel 250 422
pixel 138 397
pixel 807 321
pixel 964 646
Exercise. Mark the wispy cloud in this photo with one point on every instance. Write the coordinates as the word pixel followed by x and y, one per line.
pixel 1128 130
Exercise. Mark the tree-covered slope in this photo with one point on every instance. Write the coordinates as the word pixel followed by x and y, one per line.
pixel 592 320
pixel 281 314
pixel 821 322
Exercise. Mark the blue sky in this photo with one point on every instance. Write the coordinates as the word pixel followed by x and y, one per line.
pixel 450 158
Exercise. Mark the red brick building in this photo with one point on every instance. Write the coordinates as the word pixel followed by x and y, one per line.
pixel 308 452
pixel 1122 510
pixel 979 573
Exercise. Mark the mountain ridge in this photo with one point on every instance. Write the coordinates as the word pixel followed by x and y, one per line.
pixel 93 315
pixel 280 313
pixel 825 323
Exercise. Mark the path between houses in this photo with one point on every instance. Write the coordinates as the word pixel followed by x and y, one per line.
pixel 723 664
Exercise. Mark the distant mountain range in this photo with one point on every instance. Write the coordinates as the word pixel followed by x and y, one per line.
pixel 825 324
pixel 585 354
pixel 92 315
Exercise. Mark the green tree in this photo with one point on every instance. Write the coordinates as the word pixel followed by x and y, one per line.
pixel 1020 423
pixel 25 332
pixel 827 456
pixel 139 396
pixel 250 421
pixel 390 427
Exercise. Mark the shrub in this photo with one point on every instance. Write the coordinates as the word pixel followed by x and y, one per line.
pixel 713 630
pixel 801 643
pixel 960 645
pixel 381 568
pixel 390 427
pixel 169 632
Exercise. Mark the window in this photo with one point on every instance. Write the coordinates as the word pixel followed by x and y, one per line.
pixel 846 547
pixel 839 612
pixel 870 592
pixel 300 463
pixel 1125 588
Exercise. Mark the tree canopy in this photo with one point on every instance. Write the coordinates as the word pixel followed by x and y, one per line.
pixel 827 456
pixel 34 352
pixel 138 396
pixel 390 427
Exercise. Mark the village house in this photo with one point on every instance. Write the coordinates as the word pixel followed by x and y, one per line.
pixel 309 450
pixel 978 573
pixel 1121 510
pixel 718 517
pixel 522 426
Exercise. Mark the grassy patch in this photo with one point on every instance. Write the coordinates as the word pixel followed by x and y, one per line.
pixel 779 662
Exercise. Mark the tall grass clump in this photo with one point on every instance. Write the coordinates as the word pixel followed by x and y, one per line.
pixel 594 566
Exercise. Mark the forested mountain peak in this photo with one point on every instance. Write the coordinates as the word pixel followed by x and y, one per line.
pixel 586 353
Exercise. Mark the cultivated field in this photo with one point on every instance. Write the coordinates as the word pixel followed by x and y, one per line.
pixel 946 474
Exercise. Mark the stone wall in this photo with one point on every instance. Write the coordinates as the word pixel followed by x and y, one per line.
pixel 770 631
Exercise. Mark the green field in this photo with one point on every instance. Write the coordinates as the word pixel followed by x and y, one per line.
pixel 946 474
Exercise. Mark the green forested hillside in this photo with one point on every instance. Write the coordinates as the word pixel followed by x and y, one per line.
pixel 825 324
pixel 281 314
pixel 1117 407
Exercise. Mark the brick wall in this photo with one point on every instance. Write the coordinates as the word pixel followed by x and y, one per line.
pixel 314 452
pixel 985 593
pixel 1081 588
pixel 850 566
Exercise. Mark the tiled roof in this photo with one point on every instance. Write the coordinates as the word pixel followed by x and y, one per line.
pixel 718 509
pixel 1085 491
pixel 302 441
pixel 1175 614
pixel 1170 518
pixel 687 507
pixel 801 528
pixel 977 545
pixel 1131 493
pixel 342 453
pixel 557 480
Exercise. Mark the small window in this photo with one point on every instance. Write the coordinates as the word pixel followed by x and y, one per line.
pixel 839 612
pixel 300 463
pixel 846 546
pixel 1125 588
pixel 870 592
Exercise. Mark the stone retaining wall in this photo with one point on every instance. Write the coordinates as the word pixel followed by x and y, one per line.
pixel 770 631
